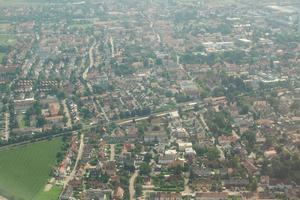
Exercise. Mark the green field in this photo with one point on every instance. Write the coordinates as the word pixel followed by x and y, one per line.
pixel 24 171
pixel 53 194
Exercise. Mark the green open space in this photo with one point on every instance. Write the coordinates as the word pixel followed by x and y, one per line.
pixel 52 194
pixel 20 119
pixel 24 171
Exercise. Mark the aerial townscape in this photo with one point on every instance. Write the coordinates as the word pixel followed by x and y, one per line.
pixel 149 99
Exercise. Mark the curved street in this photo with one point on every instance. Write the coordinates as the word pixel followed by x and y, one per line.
pixel 79 155
pixel 131 184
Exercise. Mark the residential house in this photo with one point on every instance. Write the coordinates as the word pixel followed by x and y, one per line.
pixel 155 136
pixel 109 168
pixel 97 194
pixel 118 193
pixel 235 182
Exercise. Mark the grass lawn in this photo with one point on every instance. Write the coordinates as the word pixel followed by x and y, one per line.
pixel 20 119
pixel 24 171
pixel 53 194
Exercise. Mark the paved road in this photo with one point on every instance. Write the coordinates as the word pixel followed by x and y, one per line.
pixel 84 76
pixel 91 57
pixel 159 114
pixel 131 184
pixel 112 152
pixel 203 122
pixel 117 122
pixel 103 111
pixel 151 25
pixel 187 188
pixel 111 40
pixel 79 155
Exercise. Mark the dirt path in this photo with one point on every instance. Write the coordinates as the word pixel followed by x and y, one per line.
pixel 48 187
pixel 131 184
pixel 187 188
pixel 3 198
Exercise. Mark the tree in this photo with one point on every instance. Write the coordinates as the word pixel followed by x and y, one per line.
pixel 180 98
pixel 295 106
pixel 146 62
pixel 220 122
pixel 65 120
pixel 129 166
pixel 213 153
pixel 218 91
pixel 250 138
pixel 40 121
pixel 60 94
pixel 59 157
pixel 169 94
pixel 216 186
pixel 211 59
pixel 158 61
pixel 145 169
pixel 123 69
pixel 147 157
pixel 141 130
pixel 177 170
pixel 244 109
pixel 138 190
pixel 104 178
pixel 253 183
pixel 274 102
pixel 86 113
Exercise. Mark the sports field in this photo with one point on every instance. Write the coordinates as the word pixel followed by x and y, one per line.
pixel 24 171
